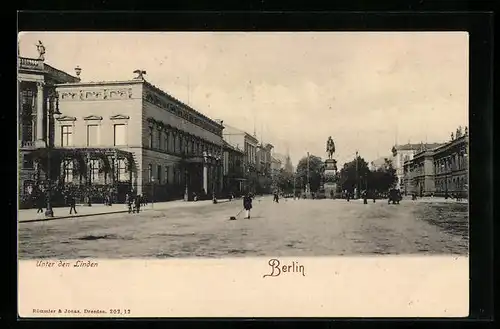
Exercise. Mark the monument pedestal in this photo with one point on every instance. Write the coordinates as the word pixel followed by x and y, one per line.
pixel 330 179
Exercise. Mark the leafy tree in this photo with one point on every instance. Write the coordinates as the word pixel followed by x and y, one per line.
pixel 381 179
pixel 384 177
pixel 316 168
pixel 284 180
pixel 350 178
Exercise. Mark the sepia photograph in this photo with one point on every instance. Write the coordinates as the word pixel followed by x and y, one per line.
pixel 279 146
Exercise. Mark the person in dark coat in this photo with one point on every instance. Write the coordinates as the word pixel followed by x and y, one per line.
pixel 129 200
pixel 138 201
pixel 72 204
pixel 247 204
pixel 40 203
pixel 276 197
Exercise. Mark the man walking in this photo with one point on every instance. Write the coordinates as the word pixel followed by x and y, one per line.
pixel 247 204
pixel 138 202
pixel 72 204
pixel 40 203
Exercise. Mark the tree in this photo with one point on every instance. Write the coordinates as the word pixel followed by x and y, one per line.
pixel 316 167
pixel 381 179
pixel 349 178
pixel 384 177
pixel 284 180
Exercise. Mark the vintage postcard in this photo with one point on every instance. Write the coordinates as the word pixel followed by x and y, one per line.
pixel 210 174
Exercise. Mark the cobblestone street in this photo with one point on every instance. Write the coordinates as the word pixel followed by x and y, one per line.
pixel 290 228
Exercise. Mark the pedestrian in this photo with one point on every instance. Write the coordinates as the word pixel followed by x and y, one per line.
pixel 247 204
pixel 72 204
pixel 365 197
pixel 276 197
pixel 40 203
pixel 374 196
pixel 128 202
pixel 138 201
pixel 348 196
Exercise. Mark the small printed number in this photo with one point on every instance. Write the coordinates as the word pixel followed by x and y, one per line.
pixel 119 311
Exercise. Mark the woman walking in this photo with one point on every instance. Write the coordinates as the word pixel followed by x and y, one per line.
pixel 247 204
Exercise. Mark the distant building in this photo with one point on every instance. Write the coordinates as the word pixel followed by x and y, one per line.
pixel 242 140
pixel 405 152
pixel 439 171
pixel 379 163
pixel 284 161
pixel 233 169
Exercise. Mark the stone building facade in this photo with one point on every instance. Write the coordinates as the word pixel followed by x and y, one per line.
pixel 405 152
pixel 240 139
pixel 175 149
pixel 37 100
pixel 440 171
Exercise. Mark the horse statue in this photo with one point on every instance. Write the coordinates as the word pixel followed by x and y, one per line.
pixel 330 147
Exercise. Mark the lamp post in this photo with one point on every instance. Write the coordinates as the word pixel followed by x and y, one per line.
pixel 152 192
pixel 52 111
pixel 186 189
pixel 214 182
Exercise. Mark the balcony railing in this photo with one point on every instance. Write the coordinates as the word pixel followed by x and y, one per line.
pixel 30 64
pixel 26 144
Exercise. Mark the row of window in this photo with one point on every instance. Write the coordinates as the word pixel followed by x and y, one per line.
pixel 453 162
pixel 450 184
pixel 250 153
pixel 93 135
pixel 178 143
pixel 164 175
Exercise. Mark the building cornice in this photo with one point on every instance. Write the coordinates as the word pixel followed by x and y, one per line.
pixel 99 83
pixel 182 104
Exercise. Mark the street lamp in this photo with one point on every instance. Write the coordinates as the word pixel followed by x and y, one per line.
pixel 186 189
pixel 153 192
pixel 52 111
pixel 214 178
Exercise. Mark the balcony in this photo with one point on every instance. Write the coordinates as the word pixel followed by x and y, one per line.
pixel 27 144
pixel 58 76
pixel 30 64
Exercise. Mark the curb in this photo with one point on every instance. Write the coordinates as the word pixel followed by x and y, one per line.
pixel 88 215
pixel 75 216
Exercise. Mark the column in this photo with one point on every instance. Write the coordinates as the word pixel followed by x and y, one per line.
pixel 40 140
pixel 205 178
pixel 20 111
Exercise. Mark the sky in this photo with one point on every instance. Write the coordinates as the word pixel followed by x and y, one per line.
pixel 367 90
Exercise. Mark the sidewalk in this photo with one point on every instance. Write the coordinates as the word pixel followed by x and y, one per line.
pixel 30 215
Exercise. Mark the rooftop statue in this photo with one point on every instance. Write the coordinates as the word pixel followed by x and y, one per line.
pixel 41 50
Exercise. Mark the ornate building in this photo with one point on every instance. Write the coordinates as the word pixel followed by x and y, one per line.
pixel 174 150
pixel 37 103
pixel 111 138
pixel 406 152
pixel 440 171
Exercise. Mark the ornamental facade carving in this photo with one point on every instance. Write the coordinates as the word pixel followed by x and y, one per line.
pixel 100 94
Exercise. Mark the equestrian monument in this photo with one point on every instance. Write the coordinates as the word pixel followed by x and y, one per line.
pixel 330 176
